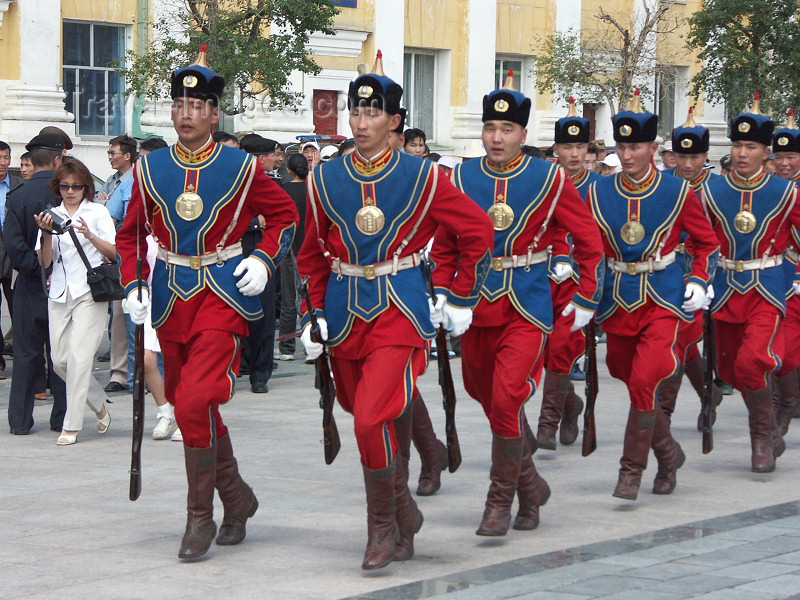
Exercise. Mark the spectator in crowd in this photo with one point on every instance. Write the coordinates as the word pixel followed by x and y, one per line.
pixel 433 156
pixel 668 158
pixel 414 142
pixel 151 145
pixel 725 164
pixel 225 138
pixel 396 137
pixel 8 182
pixel 280 164
pixel 602 151
pixel 590 161
pixel 447 164
pixel 52 130
pixel 549 154
pixel 328 153
pixel 533 151
pixel 76 321
pixel 347 146
pixel 769 164
pixel 26 166
pixel 311 151
pixel 610 165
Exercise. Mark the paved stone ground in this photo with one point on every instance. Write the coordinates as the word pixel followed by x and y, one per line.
pixel 69 530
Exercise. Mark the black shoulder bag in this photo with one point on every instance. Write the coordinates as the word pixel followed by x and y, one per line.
pixel 104 279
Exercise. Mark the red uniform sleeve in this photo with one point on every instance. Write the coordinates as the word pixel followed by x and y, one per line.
pixel 701 243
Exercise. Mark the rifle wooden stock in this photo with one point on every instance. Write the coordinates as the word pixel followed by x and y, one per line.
pixel 138 402
pixel 589 433
pixel 708 382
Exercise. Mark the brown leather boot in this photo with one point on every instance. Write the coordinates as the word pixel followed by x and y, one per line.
pixel 668 453
pixel 635 448
pixel 573 407
pixel 432 452
pixel 506 459
pixel 554 393
pixel 408 516
pixel 237 497
pixel 532 492
pixel 528 433
pixel 668 394
pixel 697 377
pixel 381 524
pixel 762 423
pixel 787 386
pixel 201 470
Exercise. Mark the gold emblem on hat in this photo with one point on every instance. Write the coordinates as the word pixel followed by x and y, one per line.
pixel 502 216
pixel 370 219
pixel 573 130
pixel 744 127
pixel 625 130
pixel 783 141
pixel 189 81
pixel 632 232
pixel 365 91
pixel 501 106
pixel 744 221
pixel 189 206
pixel 686 143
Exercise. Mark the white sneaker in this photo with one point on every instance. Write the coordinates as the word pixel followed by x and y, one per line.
pixel 286 357
pixel 177 436
pixel 166 425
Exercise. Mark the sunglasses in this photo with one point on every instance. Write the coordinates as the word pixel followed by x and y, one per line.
pixel 65 187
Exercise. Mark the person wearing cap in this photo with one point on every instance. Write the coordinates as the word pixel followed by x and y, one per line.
pixel 610 165
pixel 31 330
pixel 447 164
pixel 690 143
pixel 642 214
pixel 311 151
pixel 328 152
pixel 725 164
pixel 528 200
pixel 197 198
pixel 752 213
pixel 668 156
pixel 786 145
pixel 52 130
pixel 560 403
pixel 370 215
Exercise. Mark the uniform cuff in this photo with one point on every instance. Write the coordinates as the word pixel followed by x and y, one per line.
pixel 584 303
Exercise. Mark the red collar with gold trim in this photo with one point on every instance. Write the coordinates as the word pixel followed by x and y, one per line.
pixel 202 154
pixel 370 167
pixel 747 183
pixel 629 185
pixel 508 167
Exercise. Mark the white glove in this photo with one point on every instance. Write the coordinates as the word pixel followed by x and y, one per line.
pixel 709 297
pixel 582 316
pixel 136 308
pixel 695 298
pixel 796 287
pixel 456 320
pixel 254 276
pixel 562 272
pixel 314 349
pixel 436 309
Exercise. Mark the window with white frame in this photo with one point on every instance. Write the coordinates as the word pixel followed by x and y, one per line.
pixel 95 92
pixel 419 78
pixel 501 67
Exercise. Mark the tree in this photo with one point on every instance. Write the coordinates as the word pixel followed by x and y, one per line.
pixel 747 46
pixel 605 62
pixel 254 44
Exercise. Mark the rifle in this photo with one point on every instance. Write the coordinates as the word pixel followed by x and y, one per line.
pixel 589 433
pixel 138 396
pixel 445 382
pixel 708 382
pixel 327 398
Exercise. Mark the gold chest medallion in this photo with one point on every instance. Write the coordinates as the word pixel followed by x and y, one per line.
pixel 632 232
pixel 370 219
pixel 189 206
pixel 502 216
pixel 744 221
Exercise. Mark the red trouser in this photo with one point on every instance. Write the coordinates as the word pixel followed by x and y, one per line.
pixel 791 336
pixel 376 389
pixel 563 346
pixel 641 350
pixel 689 335
pixel 749 341
pixel 198 377
pixel 496 365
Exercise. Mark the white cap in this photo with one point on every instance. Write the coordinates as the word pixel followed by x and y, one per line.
pixel 611 160
pixel 327 152
pixel 447 161
pixel 307 144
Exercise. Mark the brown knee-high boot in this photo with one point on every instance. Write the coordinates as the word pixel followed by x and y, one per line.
pixel 407 514
pixel 201 470
pixel 432 452
pixel 530 439
pixel 635 448
pixel 237 497
pixel 506 458
pixel 763 429
pixel 573 407
pixel 554 393
pixel 790 400
pixel 697 377
pixel 381 524
pixel 668 453
pixel 532 492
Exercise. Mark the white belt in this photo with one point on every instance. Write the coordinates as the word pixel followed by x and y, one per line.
pixel 643 266
pixel 755 264
pixel 793 255
pixel 518 260
pixel 201 260
pixel 389 267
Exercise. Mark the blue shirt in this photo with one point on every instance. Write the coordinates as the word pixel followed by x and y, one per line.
pixel 5 187
pixel 117 204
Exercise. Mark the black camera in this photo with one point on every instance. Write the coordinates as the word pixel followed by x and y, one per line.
pixel 60 224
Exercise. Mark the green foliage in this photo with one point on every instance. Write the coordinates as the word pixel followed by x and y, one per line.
pixel 748 46
pixel 254 44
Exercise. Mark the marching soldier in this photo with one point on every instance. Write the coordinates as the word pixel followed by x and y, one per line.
pixel 786 146
pixel 370 216
pixel 564 346
pixel 197 199
pixel 529 201
pixel 641 214
pixel 752 213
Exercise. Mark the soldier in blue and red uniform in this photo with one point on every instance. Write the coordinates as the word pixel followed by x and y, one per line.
pixel 642 214
pixel 752 213
pixel 564 347
pixel 370 216
pixel 197 199
pixel 530 201
pixel 690 143
pixel 786 398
